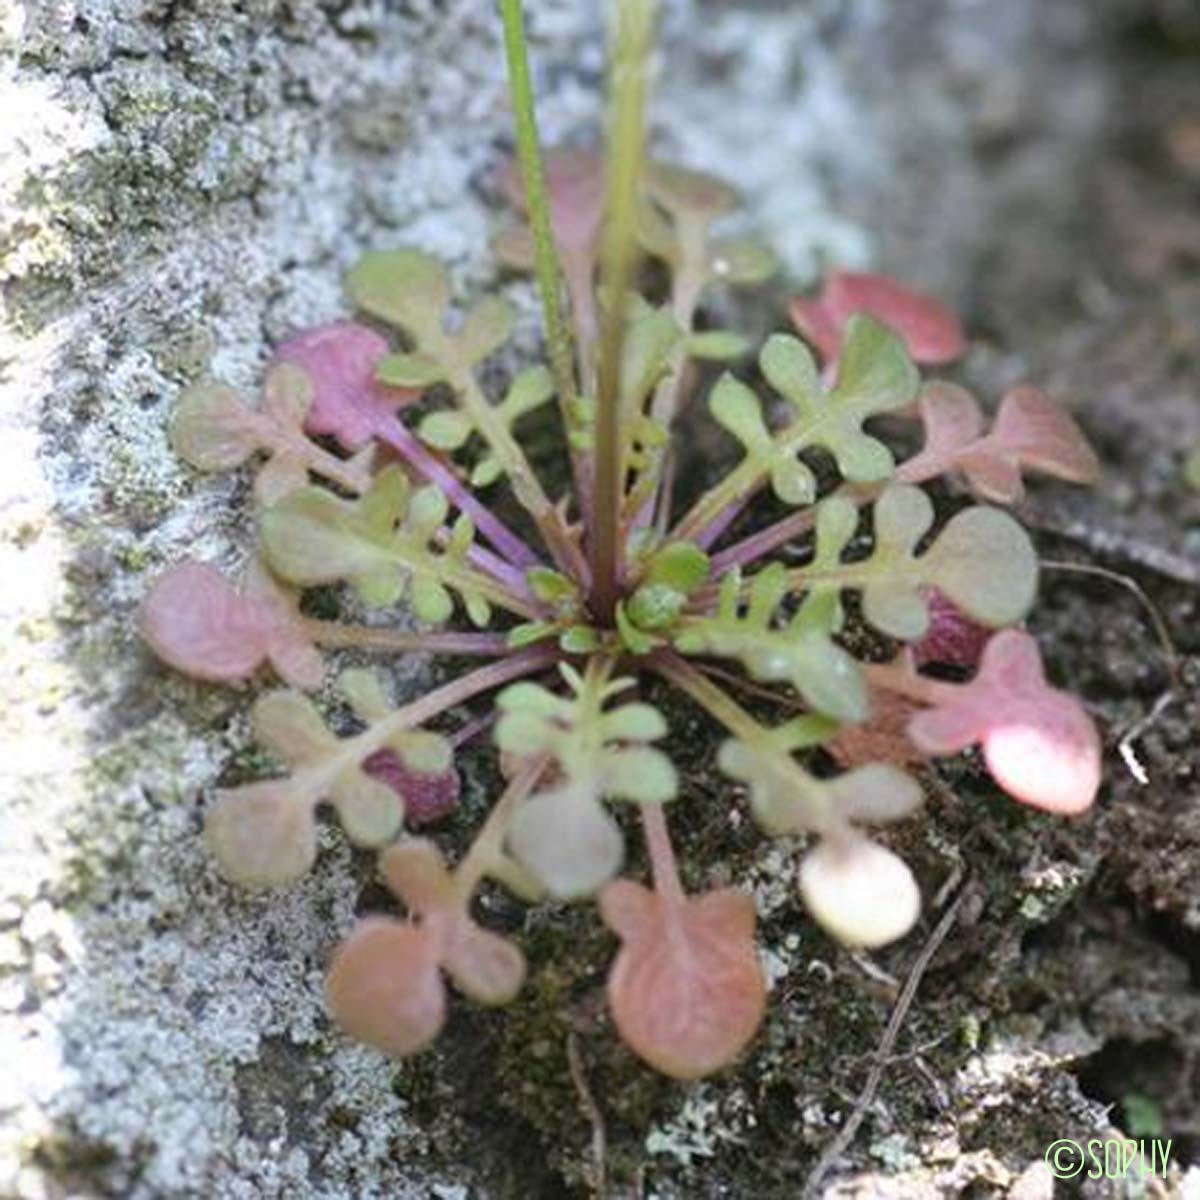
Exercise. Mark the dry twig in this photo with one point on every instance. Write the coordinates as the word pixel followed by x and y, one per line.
pixel 883 1051
pixel 591 1110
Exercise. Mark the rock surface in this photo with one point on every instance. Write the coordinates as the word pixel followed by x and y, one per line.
pixel 181 186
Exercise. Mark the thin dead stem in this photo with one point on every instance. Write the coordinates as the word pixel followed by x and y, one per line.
pixel 883 1052
pixel 591 1110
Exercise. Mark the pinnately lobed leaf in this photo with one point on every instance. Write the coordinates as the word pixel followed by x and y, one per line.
pixel 983 561
pixel 1030 433
pixel 342 360
pixel 199 623
pixel 1039 743
pixel 385 984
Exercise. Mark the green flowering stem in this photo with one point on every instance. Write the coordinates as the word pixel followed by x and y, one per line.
pixel 626 140
pixel 546 264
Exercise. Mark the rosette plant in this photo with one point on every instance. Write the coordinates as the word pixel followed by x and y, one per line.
pixel 420 498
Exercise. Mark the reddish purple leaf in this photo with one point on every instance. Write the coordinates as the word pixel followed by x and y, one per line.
pixel 953 638
pixel 930 331
pixel 1039 743
pixel 196 621
pixel 686 989
pixel 341 360
pixel 427 798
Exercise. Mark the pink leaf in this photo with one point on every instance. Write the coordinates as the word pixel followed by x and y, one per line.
pixel 953 421
pixel 883 737
pixel 341 359
pixel 196 621
pixel 575 183
pixel 427 798
pixel 385 984
pixel 484 965
pixel 384 987
pixel 416 872
pixel 1038 742
pixel 1030 432
pixel 930 331
pixel 686 990
pixel 1038 434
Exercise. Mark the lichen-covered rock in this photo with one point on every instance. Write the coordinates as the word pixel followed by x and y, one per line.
pixel 181 186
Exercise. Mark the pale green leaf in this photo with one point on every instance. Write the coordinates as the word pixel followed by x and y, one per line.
pixel 448 430
pixel 406 288
pixel 530 632
pixel 982 560
pixel 364 692
pixel 423 751
pixel 654 606
pixel 791 370
pixel 486 471
pixel 567 840
pixel 531 389
pixel 213 429
pixel 410 371
pixel 287 395
pixel 371 813
pixel 633 723
pixel 289 725
pixel 640 774
pixel 262 835
pixel 313 537
pixel 430 600
pixel 737 409
pixel 632 638
pixel 682 566
pixel 551 587
pixel 741 261
pixel 579 639
pixel 486 327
